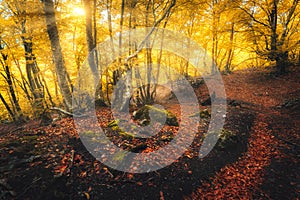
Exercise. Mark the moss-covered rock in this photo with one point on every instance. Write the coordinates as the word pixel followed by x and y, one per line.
pixel 202 114
pixel 156 114
pixel 114 125
pixel 120 155
pixel 226 140
pixel 127 135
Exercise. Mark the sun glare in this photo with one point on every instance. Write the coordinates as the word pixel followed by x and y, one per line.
pixel 78 11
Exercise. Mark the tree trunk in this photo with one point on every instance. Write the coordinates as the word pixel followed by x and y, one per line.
pixel 282 57
pixel 24 84
pixel 273 25
pixel 48 93
pixel 108 9
pixel 214 40
pixel 8 108
pixel 9 81
pixel 126 93
pixel 32 71
pixel 11 88
pixel 120 100
pixel 281 62
pixel 89 37
pixel 230 52
pixel 61 72
pixel 159 59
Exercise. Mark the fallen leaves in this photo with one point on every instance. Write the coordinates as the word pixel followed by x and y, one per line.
pixel 139 183
pixel 241 179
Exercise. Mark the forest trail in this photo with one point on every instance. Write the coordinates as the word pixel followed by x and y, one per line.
pixel 269 156
pixel 50 162
pixel 242 178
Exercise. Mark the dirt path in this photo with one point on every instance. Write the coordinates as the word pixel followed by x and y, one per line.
pixel 268 170
pixel 243 178
pixel 51 163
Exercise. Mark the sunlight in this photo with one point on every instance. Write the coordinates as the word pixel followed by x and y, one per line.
pixel 78 11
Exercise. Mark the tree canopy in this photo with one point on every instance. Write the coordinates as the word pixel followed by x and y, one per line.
pixel 43 44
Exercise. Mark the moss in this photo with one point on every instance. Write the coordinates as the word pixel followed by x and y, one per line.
pixel 114 126
pixel 158 114
pixel 113 123
pixel 126 135
pixel 202 114
pixel 30 137
pixel 89 133
pixel 120 155
pixel 226 139
pixel 100 140
pixel 95 137
pixel 134 127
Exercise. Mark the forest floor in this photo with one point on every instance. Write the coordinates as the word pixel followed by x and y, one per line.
pixel 50 162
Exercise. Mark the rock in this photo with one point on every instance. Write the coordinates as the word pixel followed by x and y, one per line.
pixel 100 103
pixel 227 139
pixel 144 122
pixel 163 94
pixel 115 127
pixel 202 113
pixel 139 148
pixel 148 112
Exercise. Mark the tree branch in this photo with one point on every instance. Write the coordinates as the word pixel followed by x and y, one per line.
pixel 150 32
pixel 65 112
pixel 288 20
pixel 253 18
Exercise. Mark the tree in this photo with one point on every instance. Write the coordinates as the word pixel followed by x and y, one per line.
pixel 61 72
pixel 16 112
pixel 19 11
pixel 272 25
pixel 90 38
pixel 145 89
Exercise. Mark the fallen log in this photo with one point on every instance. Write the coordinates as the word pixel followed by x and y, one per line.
pixel 66 112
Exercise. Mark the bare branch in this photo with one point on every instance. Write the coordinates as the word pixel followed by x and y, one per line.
pixel 150 32
pixel 253 18
pixel 288 20
pixel 66 112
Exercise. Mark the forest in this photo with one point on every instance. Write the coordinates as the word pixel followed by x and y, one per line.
pixel 128 99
